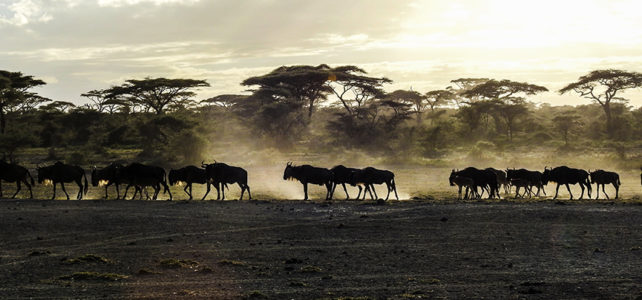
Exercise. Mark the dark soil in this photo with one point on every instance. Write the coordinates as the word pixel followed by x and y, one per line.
pixel 308 250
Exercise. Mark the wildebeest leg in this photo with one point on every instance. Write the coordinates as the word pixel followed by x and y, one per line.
pixel 223 191
pixel 372 190
pixel 598 191
pixel 581 195
pixel 18 188
pixel 206 191
pixel 359 194
pixel 54 191
pixel 126 189
pixel 30 191
pixel 557 188
pixel 365 190
pixel 242 190
pixel 106 191
pixel 156 191
pixel 249 195
pixel 190 191
pixel 218 191
pixel 62 184
pixel 569 191
pixel 0 188
pixel 345 190
pixel 328 195
pixel 186 192
pixel 459 192
pixel 605 194
pixel 117 191
pixel 617 189
pixel 305 190
pixel 79 183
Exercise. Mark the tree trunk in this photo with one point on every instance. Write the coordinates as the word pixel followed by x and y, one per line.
pixel 609 121
pixel 310 109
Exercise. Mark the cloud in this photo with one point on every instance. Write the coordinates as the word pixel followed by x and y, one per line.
pixel 120 3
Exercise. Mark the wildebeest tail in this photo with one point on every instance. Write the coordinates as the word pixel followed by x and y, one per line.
pixel 86 184
pixel 618 181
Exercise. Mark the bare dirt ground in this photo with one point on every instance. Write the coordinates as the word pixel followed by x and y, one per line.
pixel 308 250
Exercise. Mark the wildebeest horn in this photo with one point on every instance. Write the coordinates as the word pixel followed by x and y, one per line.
pixel 203 163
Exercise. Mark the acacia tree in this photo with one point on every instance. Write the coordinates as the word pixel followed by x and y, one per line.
pixel 508 98
pixel 14 88
pixel 155 94
pixel 412 99
pixel 566 123
pixel 354 89
pixel 305 84
pixel 602 86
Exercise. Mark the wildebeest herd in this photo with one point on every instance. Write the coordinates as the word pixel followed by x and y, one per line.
pixel 475 182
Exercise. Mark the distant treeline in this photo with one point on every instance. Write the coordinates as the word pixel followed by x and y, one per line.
pixel 321 109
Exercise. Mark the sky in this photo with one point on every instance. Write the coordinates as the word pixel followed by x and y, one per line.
pixel 80 45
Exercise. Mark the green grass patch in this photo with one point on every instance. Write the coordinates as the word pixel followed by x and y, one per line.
pixel 87 258
pixel 93 276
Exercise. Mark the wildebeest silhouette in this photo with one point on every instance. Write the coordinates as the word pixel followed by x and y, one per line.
pixel 343 175
pixel 485 179
pixel 141 176
pixel 370 176
pixel 522 183
pixel 527 178
pixel 309 174
pixel 11 172
pixel 461 182
pixel 601 177
pixel 107 176
pixel 61 173
pixel 565 175
pixel 220 174
pixel 502 180
pixel 189 175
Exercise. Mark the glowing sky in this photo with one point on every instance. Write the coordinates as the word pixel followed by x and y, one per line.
pixel 80 45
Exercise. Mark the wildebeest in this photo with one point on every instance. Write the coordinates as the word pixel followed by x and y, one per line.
pixel 309 174
pixel 61 173
pixel 189 175
pixel 370 176
pixel 565 175
pixel 532 178
pixel 141 176
pixel 11 172
pixel 107 176
pixel 604 177
pixel 522 183
pixel 461 182
pixel 220 174
pixel 502 180
pixel 486 179
pixel 343 175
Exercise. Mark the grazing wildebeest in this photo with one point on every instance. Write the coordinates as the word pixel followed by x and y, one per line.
pixel 370 176
pixel 141 176
pixel 604 177
pixel 343 175
pixel 565 175
pixel 462 181
pixel 61 173
pixel 533 178
pixel 107 176
pixel 502 180
pixel 481 178
pixel 11 172
pixel 189 175
pixel 220 174
pixel 309 174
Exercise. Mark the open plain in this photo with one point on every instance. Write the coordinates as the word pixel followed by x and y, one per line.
pixel 306 250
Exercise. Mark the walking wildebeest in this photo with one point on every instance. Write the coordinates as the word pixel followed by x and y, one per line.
pixel 189 175
pixel 343 175
pixel 107 176
pixel 220 174
pixel 370 176
pixel 502 180
pixel 462 181
pixel 11 172
pixel 604 177
pixel 481 178
pixel 309 174
pixel 532 178
pixel 141 176
pixel 565 175
pixel 522 183
pixel 61 173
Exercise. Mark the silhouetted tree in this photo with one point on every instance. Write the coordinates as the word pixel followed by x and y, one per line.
pixel 155 93
pixel 14 88
pixel 602 86
pixel 305 84
pixel 566 123
pixel 354 89
pixel 412 99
